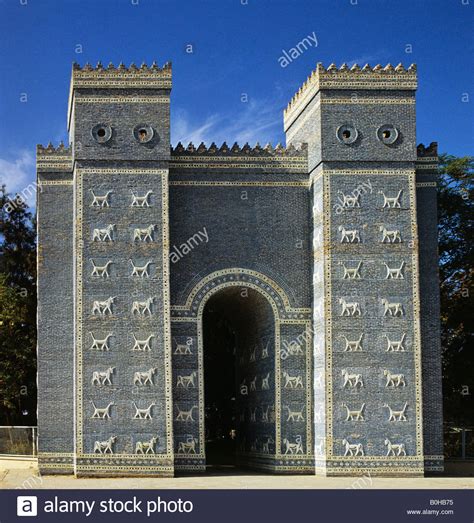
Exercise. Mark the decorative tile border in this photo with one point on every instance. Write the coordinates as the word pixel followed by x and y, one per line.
pixel 55 182
pixel 158 99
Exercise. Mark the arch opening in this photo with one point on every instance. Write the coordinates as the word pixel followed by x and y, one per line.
pixel 239 380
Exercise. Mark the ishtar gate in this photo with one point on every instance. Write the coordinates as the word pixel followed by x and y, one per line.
pixel 266 307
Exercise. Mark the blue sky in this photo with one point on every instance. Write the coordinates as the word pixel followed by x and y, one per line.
pixel 236 46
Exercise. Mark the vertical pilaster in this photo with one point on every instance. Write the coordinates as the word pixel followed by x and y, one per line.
pixel 55 310
pixel 360 127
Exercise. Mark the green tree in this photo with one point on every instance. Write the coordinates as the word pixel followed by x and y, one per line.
pixel 456 250
pixel 17 312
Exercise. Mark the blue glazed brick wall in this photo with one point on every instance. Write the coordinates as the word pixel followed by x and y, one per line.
pixel 268 220
pixel 55 326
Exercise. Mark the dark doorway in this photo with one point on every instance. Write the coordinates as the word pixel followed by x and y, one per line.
pixel 237 321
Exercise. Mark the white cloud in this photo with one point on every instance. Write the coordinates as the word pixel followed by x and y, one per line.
pixel 257 120
pixel 18 173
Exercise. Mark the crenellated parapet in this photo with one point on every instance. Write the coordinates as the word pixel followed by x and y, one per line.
pixel 53 159
pixel 430 151
pixel 236 150
pixel 110 77
pixel 351 78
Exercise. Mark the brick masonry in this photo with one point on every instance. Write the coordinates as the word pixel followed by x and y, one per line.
pixel 275 222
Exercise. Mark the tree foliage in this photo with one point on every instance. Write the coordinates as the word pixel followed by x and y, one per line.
pixel 456 250
pixel 17 312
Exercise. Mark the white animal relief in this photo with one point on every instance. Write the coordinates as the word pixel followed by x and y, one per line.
pixel 141 271
pixel 141 201
pixel 266 445
pixel 396 345
pixel 266 413
pixel 265 351
pixel 350 308
pixel 319 414
pixel 293 448
pixel 265 382
pixel 144 378
pixel 395 449
pixel 349 201
pixel 188 446
pixel 253 354
pixel 349 235
pixel 146 447
pixel 105 234
pixel 292 382
pixel 294 415
pixel 101 271
pixel 103 308
pixel 143 413
pixel 319 448
pixel 144 235
pixel 353 449
pixel 187 381
pixel 184 348
pixel 392 309
pixel 253 384
pixel 391 202
pixel 253 414
pixel 351 380
pixel 143 344
pixel 291 349
pixel 390 235
pixel 394 273
pixel 394 380
pixel 105 447
pixel 100 344
pixel 103 377
pixel 396 415
pixel 100 201
pixel 143 308
pixel 318 380
pixel 103 412
pixel 353 345
pixel 351 273
pixel 186 415
pixel 355 414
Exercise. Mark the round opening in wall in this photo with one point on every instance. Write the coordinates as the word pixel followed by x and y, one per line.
pixel 101 133
pixel 387 134
pixel 347 134
pixel 143 133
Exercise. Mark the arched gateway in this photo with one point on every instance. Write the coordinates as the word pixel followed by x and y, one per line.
pixel 233 330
